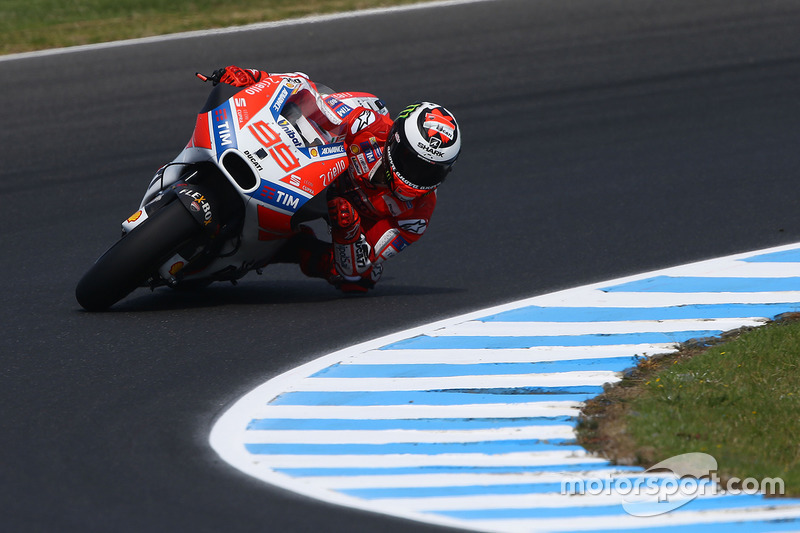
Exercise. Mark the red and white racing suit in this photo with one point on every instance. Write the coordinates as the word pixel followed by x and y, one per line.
pixel 369 223
pixel 386 224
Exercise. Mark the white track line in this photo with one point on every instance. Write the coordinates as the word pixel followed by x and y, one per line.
pixel 259 26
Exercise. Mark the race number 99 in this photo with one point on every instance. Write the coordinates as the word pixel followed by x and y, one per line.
pixel 271 140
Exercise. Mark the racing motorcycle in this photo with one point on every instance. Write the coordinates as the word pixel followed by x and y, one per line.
pixel 256 167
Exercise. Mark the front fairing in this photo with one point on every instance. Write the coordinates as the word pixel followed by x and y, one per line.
pixel 266 158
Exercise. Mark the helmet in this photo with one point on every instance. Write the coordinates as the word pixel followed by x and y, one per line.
pixel 423 144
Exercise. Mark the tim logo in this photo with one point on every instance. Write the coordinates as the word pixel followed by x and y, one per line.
pixel 224 135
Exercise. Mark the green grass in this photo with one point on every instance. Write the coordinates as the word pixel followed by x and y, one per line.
pixel 27 25
pixel 738 401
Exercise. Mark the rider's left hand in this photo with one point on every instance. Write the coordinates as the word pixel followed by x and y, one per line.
pixel 238 77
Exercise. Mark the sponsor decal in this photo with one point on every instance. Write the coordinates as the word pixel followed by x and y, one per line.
pixel 333 173
pixel 388 253
pixel 259 87
pixel 363 120
pixel 277 196
pixel 174 269
pixel 343 111
pixel 373 142
pixel 416 226
pixel 338 107
pixel 253 160
pixel 438 127
pixel 331 149
pixel 362 254
pixel 343 262
pixel 299 182
pixel 390 244
pixel 280 99
pixel 366 147
pixel 134 217
pixel 352 259
pixel 199 203
pixel 383 247
pixel 289 131
pixel 400 244
pixel 242 112
pixel 359 163
pixel 222 125
pixel 429 148
pixel 405 113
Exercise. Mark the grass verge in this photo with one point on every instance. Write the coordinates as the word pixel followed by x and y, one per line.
pixel 27 25
pixel 737 400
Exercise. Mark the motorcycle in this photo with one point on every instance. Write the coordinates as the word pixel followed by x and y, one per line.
pixel 256 167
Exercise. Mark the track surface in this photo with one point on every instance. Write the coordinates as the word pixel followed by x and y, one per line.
pixel 601 139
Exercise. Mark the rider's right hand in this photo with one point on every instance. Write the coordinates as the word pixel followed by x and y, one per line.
pixel 345 222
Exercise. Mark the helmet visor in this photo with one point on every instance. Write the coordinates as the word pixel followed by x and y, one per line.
pixel 411 169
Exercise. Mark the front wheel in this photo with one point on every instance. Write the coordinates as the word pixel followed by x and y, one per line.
pixel 135 257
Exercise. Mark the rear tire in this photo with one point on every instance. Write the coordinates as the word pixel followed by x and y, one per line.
pixel 135 257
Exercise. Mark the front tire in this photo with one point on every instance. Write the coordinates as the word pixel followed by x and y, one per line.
pixel 135 257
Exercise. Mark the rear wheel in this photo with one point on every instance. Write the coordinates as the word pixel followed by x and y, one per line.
pixel 135 257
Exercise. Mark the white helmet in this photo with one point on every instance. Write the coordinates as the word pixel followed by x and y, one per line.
pixel 423 144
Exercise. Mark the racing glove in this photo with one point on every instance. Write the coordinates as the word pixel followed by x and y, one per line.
pixel 238 77
pixel 345 222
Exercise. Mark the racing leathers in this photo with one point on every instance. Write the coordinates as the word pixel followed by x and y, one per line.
pixel 369 223
pixel 384 223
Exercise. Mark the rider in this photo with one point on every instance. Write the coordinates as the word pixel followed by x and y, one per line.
pixel 384 202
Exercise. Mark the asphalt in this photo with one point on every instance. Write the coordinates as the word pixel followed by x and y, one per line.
pixel 601 138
